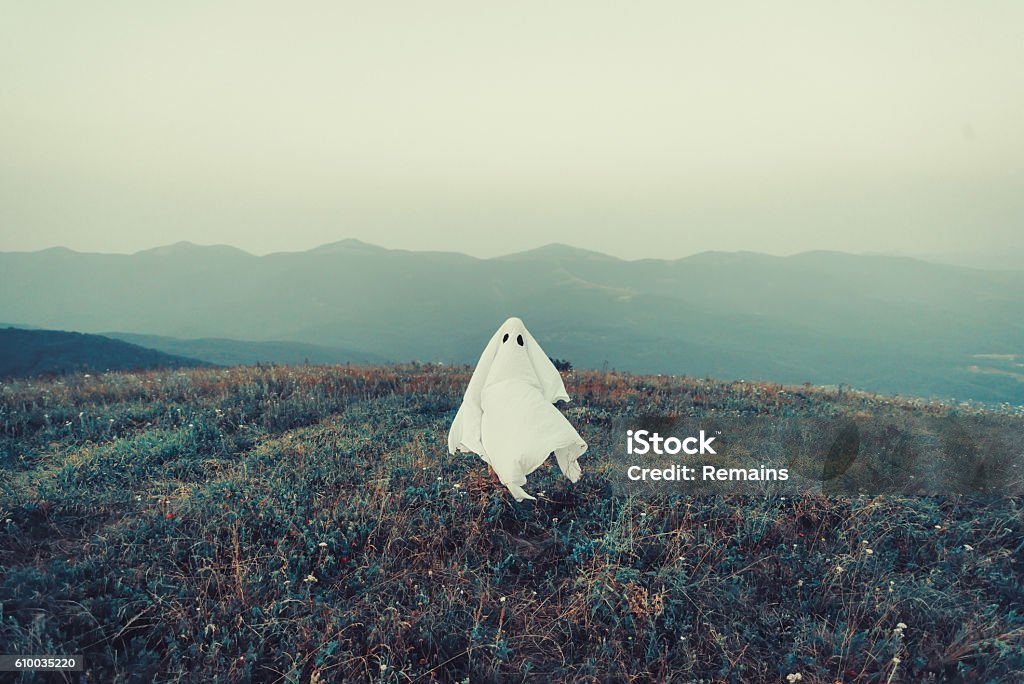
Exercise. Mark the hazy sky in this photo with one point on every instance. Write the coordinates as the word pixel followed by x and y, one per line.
pixel 633 128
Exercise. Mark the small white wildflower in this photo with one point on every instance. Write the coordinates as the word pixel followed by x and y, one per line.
pixel 869 551
pixel 457 485
pixel 311 578
pixel 938 527
pixel 502 599
pixel 323 544
pixel 794 677
pixel 896 660
pixel 839 568
pixel 901 625
pixel 968 547
pixel 554 520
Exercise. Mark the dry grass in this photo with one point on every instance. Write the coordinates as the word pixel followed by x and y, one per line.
pixel 307 524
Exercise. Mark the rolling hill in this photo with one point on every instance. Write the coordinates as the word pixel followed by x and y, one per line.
pixel 240 352
pixel 26 353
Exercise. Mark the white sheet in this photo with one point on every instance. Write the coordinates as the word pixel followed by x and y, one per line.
pixel 508 415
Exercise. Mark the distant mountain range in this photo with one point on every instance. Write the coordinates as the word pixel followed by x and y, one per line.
pixel 883 323
pixel 239 352
pixel 27 353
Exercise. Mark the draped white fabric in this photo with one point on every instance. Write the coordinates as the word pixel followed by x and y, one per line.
pixel 508 415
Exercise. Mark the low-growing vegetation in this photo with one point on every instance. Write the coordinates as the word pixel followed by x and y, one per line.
pixel 284 524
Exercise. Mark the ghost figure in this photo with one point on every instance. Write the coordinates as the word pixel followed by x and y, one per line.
pixel 508 415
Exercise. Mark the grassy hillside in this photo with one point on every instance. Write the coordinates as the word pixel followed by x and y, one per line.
pixel 307 524
pixel 26 353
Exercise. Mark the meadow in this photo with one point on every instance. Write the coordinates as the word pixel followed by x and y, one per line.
pixel 306 524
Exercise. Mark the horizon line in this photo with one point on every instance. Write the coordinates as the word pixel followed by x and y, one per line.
pixel 356 243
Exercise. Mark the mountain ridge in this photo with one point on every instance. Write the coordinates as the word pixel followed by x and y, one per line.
pixel 547 251
pixel 882 323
